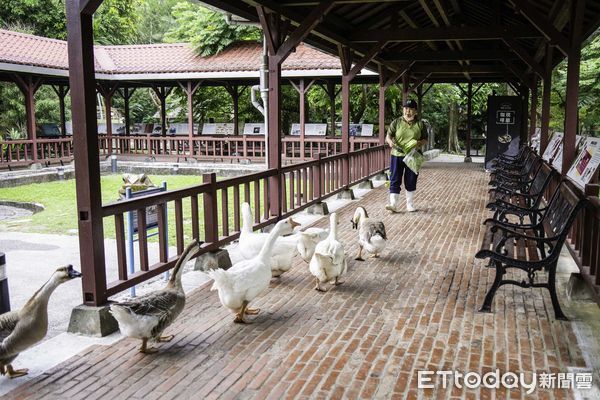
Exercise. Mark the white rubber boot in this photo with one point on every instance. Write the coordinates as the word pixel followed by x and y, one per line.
pixel 393 204
pixel 410 207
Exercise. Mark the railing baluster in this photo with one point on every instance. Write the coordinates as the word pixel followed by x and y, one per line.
pixel 211 220
pixel 121 255
pixel 195 219
pixel 225 211
pixel 142 238
pixel 163 243
pixel 257 201
pixel 179 225
pixel 236 208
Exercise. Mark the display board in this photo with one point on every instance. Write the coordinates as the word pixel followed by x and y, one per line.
pixel 254 129
pixel 503 127
pixel 587 162
pixel 356 129
pixel 181 129
pixel 553 146
pixel 557 159
pixel 221 128
pixel 309 130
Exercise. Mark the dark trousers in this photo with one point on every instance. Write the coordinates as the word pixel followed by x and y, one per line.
pixel 397 170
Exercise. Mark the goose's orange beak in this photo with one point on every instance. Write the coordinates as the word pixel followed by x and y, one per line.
pixel 293 223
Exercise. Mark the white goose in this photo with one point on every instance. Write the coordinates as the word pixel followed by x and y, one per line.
pixel 371 233
pixel 329 261
pixel 244 281
pixel 307 241
pixel 251 243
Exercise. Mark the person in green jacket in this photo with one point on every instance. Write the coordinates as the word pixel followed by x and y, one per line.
pixel 403 135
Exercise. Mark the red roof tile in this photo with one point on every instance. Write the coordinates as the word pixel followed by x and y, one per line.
pixel 24 49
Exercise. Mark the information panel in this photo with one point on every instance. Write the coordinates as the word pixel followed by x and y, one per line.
pixel 309 130
pixel 587 162
pixel 254 129
pixel 221 128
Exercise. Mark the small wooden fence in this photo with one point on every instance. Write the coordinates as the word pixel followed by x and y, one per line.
pixel 18 153
pixel 211 211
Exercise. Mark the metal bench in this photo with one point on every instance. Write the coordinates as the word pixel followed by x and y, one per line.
pixel 518 173
pixel 521 202
pixel 531 247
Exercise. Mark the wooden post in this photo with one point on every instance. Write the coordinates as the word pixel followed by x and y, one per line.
pixel 274 133
pixel 85 139
pixel 29 86
pixel 61 92
pixel 572 97
pixel 382 89
pixel 332 95
pixel 545 121
pixel 190 88
pixel 469 119
pixel 302 93
pixel 533 110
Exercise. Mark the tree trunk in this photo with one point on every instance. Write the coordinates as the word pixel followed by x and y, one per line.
pixel 453 146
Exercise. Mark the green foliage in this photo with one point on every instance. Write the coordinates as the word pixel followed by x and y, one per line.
pixel 154 20
pixel 589 90
pixel 116 22
pixel 206 30
pixel 38 17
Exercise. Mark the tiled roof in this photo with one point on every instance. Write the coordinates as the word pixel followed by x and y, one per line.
pixel 24 49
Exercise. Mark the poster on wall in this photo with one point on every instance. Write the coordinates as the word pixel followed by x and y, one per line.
pixel 220 128
pixel 309 130
pixel 503 127
pixel 254 129
pixel 587 162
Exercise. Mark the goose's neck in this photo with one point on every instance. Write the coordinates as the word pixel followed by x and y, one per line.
pixel 175 280
pixel 42 296
pixel 247 220
pixel 333 229
pixel 265 251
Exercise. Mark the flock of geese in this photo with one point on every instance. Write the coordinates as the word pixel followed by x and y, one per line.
pixel 263 256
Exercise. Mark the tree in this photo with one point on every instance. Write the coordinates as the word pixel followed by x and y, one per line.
pixel 38 17
pixel 206 30
pixel 117 22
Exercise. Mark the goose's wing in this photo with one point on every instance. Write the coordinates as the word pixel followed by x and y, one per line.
pixel 337 252
pixel 378 228
pixel 155 303
pixel 8 322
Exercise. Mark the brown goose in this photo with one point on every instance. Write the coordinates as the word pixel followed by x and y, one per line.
pixel 20 330
pixel 148 316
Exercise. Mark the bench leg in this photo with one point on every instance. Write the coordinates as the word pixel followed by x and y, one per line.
pixel 489 297
pixel 552 288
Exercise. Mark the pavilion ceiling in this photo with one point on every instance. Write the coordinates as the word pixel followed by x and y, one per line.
pixel 446 39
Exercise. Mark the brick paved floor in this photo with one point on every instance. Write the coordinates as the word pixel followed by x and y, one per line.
pixel 414 308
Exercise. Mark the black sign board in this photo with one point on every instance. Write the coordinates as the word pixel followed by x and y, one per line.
pixel 503 126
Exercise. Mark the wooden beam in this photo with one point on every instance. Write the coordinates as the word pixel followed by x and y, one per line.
pixel 445 33
pixel 305 27
pixel 360 64
pixel 89 7
pixel 447 55
pixel 524 55
pixel 401 71
pixel 542 24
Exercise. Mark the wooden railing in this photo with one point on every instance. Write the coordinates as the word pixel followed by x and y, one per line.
pixel 583 241
pixel 16 153
pixel 210 212
pixel 213 148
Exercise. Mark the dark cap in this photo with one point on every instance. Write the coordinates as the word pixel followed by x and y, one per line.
pixel 410 103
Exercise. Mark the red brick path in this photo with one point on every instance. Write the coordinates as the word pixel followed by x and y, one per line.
pixel 414 308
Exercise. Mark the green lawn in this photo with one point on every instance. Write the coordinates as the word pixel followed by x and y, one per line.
pixel 60 214
pixel 58 198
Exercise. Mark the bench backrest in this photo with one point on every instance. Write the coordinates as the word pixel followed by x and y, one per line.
pixel 560 214
pixel 540 182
